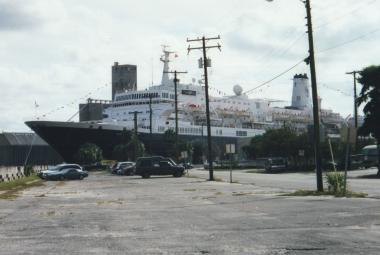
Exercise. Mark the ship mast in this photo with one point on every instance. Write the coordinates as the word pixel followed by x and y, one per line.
pixel 165 58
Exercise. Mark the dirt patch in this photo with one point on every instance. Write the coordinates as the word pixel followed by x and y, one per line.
pixel 12 189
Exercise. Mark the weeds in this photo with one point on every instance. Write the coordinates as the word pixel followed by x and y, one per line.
pixel 304 193
pixel 335 181
pixel 13 187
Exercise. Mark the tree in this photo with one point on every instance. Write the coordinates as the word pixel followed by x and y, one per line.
pixel 89 153
pixel 120 151
pixel 169 149
pixel 135 148
pixel 283 142
pixel 370 96
pixel 198 150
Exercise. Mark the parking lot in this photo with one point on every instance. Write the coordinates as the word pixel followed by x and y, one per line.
pixel 107 214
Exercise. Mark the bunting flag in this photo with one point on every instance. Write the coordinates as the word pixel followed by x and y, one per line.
pixel 87 96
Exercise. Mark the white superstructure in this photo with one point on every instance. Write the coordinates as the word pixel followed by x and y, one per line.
pixel 231 116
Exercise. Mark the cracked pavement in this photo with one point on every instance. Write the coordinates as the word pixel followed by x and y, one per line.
pixel 106 214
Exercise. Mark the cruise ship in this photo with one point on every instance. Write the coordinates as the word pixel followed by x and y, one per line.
pixel 234 119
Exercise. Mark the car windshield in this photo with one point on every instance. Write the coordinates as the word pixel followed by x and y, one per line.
pixel 55 168
pixel 166 163
pixel 172 163
pixel 369 152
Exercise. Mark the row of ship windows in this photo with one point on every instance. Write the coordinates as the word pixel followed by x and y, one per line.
pixel 139 103
pixel 137 96
pixel 144 96
pixel 199 131
pixel 233 102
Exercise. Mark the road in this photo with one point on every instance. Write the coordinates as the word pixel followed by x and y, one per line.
pixel 107 214
pixel 358 181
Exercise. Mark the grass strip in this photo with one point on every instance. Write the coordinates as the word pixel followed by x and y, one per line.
pixel 9 190
pixel 304 193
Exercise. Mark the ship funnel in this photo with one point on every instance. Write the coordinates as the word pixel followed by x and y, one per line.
pixel 301 98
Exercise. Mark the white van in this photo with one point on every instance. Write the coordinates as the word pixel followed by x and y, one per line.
pixel 370 156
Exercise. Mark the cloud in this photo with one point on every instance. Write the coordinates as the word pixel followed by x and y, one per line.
pixel 13 16
pixel 64 49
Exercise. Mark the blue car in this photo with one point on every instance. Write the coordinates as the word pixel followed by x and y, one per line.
pixel 63 172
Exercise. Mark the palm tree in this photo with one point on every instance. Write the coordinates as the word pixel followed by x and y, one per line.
pixel 370 96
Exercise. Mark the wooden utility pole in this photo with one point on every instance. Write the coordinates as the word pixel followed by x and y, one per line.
pixel 135 128
pixel 176 81
pixel 355 106
pixel 316 106
pixel 205 65
pixel 135 120
pixel 150 123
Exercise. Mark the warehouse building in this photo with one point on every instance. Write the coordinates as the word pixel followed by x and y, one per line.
pixel 18 149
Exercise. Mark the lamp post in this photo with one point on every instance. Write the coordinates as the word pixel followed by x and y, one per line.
pixel 311 61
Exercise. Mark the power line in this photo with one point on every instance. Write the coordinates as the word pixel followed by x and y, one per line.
pixel 274 78
pixel 345 14
pixel 350 41
pixel 282 52
pixel 337 90
pixel 328 49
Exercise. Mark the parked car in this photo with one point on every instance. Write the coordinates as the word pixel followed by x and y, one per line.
pixel 370 156
pixel 58 168
pixel 127 169
pixel 276 164
pixel 119 165
pixel 157 165
pixel 66 174
pixel 96 166
pixel 187 165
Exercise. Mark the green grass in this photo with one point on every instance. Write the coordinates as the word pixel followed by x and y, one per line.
pixel 9 190
pixel 304 193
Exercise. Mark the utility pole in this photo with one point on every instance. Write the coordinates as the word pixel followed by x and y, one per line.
pixel 135 128
pixel 316 106
pixel 205 65
pixel 150 123
pixel 135 120
pixel 355 105
pixel 176 81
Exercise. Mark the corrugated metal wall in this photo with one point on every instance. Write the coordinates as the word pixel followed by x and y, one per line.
pixel 39 155
pixel 15 147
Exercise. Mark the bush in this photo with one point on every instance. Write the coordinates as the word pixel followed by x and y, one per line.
pixel 28 170
pixel 89 153
pixel 335 181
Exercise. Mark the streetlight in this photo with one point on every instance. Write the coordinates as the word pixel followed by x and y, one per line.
pixel 311 60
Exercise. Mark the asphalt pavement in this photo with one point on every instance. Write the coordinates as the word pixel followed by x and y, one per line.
pixel 106 214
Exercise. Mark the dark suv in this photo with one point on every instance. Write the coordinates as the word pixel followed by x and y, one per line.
pixel 157 165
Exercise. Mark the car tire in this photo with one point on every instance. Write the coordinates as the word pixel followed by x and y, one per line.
pixel 178 174
pixel 145 175
pixel 81 177
pixel 61 178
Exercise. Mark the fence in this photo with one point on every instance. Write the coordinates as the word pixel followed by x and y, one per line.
pixel 10 173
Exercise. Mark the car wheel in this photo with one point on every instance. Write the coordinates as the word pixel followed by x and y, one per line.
pixel 145 175
pixel 177 174
pixel 81 177
pixel 61 178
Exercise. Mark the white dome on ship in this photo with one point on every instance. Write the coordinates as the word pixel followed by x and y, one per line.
pixel 238 90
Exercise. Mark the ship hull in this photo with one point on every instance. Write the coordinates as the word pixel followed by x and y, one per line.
pixel 67 137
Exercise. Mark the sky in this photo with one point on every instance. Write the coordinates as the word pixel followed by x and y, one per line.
pixel 56 53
